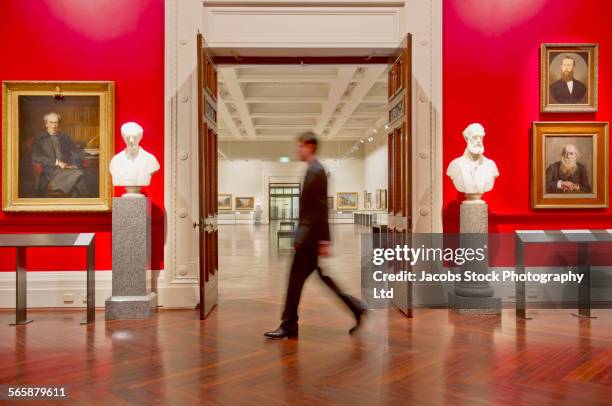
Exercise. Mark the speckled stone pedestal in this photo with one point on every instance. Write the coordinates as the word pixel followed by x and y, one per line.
pixel 474 297
pixel 132 297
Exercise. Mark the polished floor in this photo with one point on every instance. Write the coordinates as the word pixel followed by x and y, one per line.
pixel 436 358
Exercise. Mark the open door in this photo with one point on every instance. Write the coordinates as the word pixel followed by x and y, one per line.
pixel 399 146
pixel 207 169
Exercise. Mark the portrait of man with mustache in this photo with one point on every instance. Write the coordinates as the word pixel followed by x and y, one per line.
pixel 568 175
pixel 567 89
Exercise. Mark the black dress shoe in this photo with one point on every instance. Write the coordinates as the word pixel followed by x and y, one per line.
pixel 282 332
pixel 359 314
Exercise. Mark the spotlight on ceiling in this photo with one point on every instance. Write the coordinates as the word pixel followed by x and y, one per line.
pixel 387 126
pixel 370 139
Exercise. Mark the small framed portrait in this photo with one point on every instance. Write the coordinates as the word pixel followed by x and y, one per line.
pixel 378 199
pixel 57 142
pixel 245 203
pixel 568 80
pixel 347 200
pixel 383 199
pixel 570 165
pixel 224 201
pixel 330 202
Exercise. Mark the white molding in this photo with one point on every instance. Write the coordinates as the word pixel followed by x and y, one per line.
pixel 228 27
pixel 46 289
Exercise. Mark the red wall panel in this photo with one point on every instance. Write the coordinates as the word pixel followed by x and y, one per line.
pixel 118 40
pixel 491 75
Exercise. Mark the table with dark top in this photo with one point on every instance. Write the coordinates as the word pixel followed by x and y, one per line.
pixel 584 238
pixel 23 241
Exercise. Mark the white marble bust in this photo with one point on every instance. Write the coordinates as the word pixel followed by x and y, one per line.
pixel 473 173
pixel 133 167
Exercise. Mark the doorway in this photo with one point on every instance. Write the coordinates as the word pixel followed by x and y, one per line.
pixel 284 201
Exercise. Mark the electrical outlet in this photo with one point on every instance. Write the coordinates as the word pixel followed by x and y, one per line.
pixel 68 298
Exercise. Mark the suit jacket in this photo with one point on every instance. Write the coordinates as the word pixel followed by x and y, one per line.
pixel 561 94
pixel 313 225
pixel 43 153
pixel 580 177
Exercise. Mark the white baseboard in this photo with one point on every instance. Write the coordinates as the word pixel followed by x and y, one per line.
pixel 48 289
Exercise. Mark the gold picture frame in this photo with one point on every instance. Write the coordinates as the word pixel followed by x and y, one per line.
pixel 347 200
pixel 224 201
pixel 570 165
pixel 32 176
pixel 330 202
pixel 569 78
pixel 245 203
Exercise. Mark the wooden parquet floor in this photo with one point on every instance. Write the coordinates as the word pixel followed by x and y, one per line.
pixel 436 358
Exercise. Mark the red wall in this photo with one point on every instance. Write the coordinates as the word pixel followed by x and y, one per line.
pixel 491 75
pixel 118 40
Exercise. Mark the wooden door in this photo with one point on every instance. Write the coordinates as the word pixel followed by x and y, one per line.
pixel 207 182
pixel 399 145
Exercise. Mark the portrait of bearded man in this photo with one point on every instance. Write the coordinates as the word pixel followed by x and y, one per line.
pixel 567 89
pixel 568 175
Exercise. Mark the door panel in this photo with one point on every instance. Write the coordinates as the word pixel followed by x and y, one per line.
pixel 400 162
pixel 207 179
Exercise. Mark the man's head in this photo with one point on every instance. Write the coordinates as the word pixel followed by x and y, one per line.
pixel 307 146
pixel 474 134
pixel 567 68
pixel 132 134
pixel 52 122
pixel 569 159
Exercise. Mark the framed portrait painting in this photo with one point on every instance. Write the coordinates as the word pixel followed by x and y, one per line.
pixel 245 203
pixel 347 200
pixel 378 199
pixel 224 201
pixel 568 77
pixel 57 143
pixel 570 165
pixel 330 202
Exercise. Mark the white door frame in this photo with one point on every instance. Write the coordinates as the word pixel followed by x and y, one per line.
pixel 184 18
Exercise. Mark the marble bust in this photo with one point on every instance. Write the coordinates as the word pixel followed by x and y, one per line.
pixel 133 167
pixel 473 173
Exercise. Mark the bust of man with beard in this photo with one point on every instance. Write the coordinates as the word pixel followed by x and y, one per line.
pixel 568 90
pixel 472 172
pixel 567 175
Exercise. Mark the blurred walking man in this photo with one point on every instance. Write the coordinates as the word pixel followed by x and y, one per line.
pixel 311 240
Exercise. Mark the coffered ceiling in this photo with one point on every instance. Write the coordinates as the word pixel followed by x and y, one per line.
pixel 271 103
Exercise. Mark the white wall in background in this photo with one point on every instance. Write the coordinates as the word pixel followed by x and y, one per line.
pixel 245 178
pixel 375 165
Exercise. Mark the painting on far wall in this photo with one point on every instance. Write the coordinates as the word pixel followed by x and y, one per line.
pixel 378 199
pixel 58 139
pixel 568 77
pixel 330 202
pixel 347 200
pixel 570 165
pixel 245 203
pixel 224 201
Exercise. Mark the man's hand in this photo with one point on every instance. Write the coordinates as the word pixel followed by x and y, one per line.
pixel 64 165
pixel 568 186
pixel 324 248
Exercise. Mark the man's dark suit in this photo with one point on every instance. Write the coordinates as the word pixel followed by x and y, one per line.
pixel 313 227
pixel 579 177
pixel 560 92
pixel 44 153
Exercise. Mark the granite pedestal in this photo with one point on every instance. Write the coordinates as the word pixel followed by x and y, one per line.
pixel 474 297
pixel 132 297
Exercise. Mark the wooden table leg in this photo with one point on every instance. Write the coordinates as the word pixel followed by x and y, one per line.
pixel 584 288
pixel 519 286
pixel 91 284
pixel 21 291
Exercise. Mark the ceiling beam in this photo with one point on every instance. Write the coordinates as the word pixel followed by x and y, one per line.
pixel 226 118
pixel 360 91
pixel 285 78
pixel 336 92
pixel 285 99
pixel 238 100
